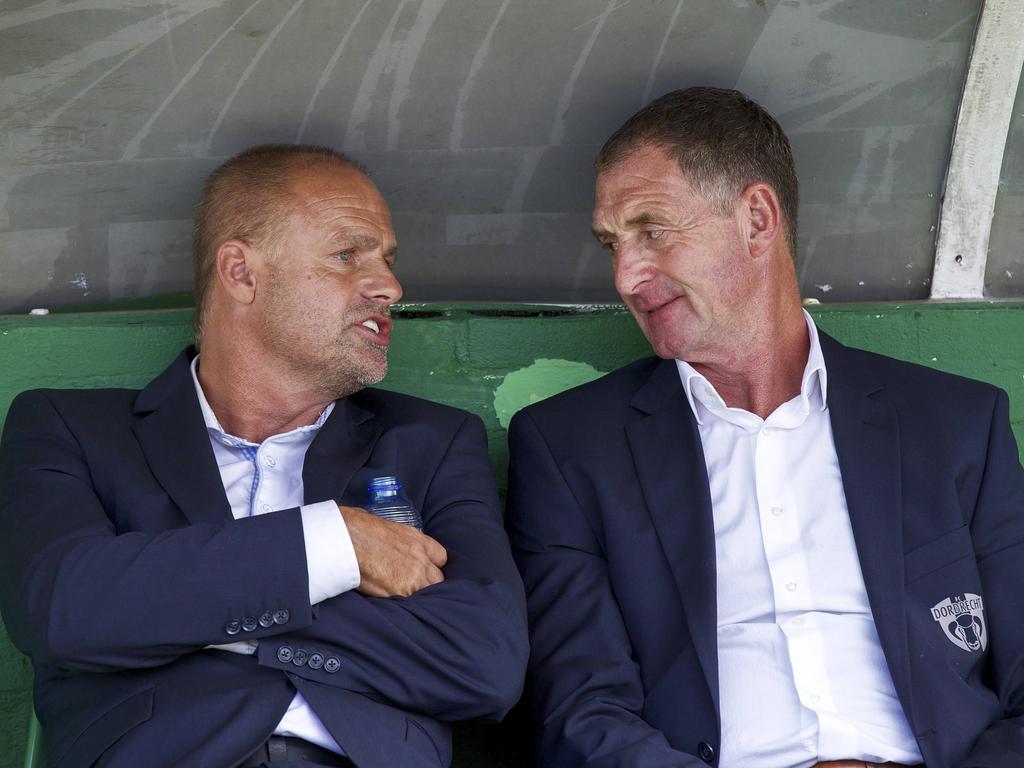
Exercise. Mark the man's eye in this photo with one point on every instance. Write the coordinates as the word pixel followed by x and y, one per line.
pixel 654 234
pixel 610 245
pixel 345 255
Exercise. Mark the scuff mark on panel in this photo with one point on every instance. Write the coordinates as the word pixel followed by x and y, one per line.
pixel 649 86
pixel 167 38
pixel 565 100
pixel 32 87
pixel 132 149
pixel 380 64
pixel 458 122
pixel 409 55
pixel 247 74
pixel 846 68
pixel 80 282
pixel 876 173
pixel 38 251
pixel 531 157
pixel 325 76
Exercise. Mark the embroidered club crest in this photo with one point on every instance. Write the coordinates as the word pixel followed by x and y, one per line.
pixel 962 619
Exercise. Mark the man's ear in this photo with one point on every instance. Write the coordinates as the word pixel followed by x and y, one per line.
pixel 762 216
pixel 235 270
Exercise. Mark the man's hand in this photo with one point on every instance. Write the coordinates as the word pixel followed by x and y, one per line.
pixel 394 559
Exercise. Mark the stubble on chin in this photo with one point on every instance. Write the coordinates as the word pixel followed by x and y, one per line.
pixel 348 373
pixel 367 377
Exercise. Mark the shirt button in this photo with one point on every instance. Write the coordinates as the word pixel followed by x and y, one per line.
pixel 332 665
pixel 266 619
pixel 706 752
pixel 265 507
pixel 281 616
pixel 285 653
pixel 768 431
pixel 300 657
pixel 791 586
pixel 815 698
pixel 249 624
pixel 270 460
pixel 316 660
pixel 233 627
pixel 776 511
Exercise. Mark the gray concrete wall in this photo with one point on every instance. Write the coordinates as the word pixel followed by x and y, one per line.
pixel 478 118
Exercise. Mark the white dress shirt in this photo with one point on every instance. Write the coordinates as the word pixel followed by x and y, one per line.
pixel 274 482
pixel 801 672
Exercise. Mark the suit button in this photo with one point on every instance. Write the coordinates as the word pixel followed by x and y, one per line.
pixel 233 627
pixel 281 616
pixel 706 752
pixel 332 665
pixel 299 659
pixel 249 624
pixel 285 653
pixel 266 619
pixel 316 660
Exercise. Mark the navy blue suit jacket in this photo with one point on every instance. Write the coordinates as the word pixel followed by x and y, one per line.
pixel 611 525
pixel 121 561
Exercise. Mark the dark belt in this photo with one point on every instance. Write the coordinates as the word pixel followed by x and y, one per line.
pixel 280 749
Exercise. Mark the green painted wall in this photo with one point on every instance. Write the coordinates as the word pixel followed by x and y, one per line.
pixel 486 358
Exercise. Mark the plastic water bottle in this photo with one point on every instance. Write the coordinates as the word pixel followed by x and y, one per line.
pixel 388 502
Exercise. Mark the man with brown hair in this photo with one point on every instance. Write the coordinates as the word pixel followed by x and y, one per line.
pixel 761 548
pixel 189 566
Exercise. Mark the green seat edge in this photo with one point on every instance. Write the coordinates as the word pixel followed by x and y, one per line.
pixel 33 749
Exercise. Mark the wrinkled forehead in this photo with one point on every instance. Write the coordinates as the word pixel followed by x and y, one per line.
pixel 338 196
pixel 642 166
pixel 646 177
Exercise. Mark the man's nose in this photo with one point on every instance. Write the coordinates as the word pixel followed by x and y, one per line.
pixel 631 269
pixel 380 284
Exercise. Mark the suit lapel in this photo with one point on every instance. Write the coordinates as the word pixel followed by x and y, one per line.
pixel 174 440
pixel 867 440
pixel 340 448
pixel 670 465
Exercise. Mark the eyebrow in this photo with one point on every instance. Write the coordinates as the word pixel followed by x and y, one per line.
pixel 361 241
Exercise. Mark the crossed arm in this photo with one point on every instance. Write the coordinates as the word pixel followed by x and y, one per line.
pixel 79 595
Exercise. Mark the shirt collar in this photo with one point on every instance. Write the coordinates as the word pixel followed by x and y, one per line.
pixel 704 399
pixel 215 429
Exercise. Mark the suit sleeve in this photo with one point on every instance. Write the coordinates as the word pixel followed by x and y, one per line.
pixel 454 650
pixel 587 693
pixel 78 595
pixel 997 530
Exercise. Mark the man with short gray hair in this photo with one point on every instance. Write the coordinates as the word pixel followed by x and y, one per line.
pixel 760 548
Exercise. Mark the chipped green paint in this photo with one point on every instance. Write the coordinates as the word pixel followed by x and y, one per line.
pixel 542 379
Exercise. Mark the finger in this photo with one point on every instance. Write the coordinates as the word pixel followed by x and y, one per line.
pixel 434 576
pixel 438 554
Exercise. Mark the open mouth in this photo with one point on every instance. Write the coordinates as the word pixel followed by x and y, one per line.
pixel 378 329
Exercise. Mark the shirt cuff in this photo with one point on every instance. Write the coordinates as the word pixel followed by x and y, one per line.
pixel 330 558
pixel 244 647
